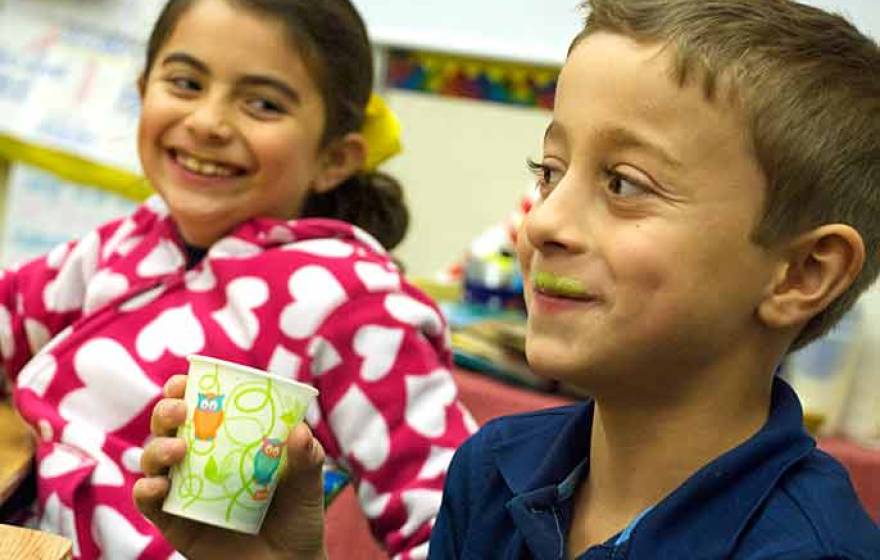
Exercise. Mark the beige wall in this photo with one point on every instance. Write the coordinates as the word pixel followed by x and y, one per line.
pixel 463 169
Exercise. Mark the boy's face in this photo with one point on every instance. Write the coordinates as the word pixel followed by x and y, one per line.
pixel 638 258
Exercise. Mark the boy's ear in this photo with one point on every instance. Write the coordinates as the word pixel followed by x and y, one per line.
pixel 817 267
pixel 340 160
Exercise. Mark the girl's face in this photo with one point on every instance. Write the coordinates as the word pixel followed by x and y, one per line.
pixel 231 124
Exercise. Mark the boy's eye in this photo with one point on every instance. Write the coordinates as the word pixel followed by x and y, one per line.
pixel 620 185
pixel 547 176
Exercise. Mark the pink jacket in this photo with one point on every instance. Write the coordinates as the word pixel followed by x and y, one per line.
pixel 90 333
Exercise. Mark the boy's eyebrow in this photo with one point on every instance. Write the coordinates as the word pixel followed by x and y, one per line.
pixel 627 138
pixel 249 80
pixel 621 137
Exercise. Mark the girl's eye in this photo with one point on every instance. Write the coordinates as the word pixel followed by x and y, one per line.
pixel 547 176
pixel 185 84
pixel 620 185
pixel 264 106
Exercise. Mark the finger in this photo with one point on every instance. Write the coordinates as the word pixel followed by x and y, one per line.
pixel 175 387
pixel 305 453
pixel 161 453
pixel 168 415
pixel 295 522
pixel 148 494
pixel 302 483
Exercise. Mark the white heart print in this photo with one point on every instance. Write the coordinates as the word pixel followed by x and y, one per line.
pixel 422 506
pixel 60 462
pixel 234 248
pixel 68 290
pixel 59 520
pixel 284 363
pixel 175 330
pixel 89 439
pixel 371 501
pixel 201 279
pixel 368 240
pixel 437 462
pixel 124 230
pixel 316 294
pixel 332 248
pixel 7 340
pixel 38 374
pixel 131 459
pixel 378 346
pixel 142 299
pixel 376 278
pixel 113 383
pixel 360 429
pixel 412 312
pixel 116 536
pixel 281 234
pixel 427 399
pixel 237 318
pixel 165 258
pixel 323 355
pixel 37 334
pixel 56 256
pixel 104 287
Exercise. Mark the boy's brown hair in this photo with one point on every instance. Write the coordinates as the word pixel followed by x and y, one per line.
pixel 808 83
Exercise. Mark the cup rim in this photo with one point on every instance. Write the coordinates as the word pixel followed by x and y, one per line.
pixel 217 361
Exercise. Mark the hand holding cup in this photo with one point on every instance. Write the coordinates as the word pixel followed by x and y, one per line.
pixel 224 489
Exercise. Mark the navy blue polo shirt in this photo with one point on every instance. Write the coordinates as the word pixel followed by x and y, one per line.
pixel 509 494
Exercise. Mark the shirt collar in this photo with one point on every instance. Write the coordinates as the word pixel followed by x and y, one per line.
pixel 531 455
pixel 707 513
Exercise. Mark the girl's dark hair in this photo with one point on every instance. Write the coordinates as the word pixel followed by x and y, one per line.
pixel 332 39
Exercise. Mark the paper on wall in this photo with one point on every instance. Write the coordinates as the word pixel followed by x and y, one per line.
pixel 42 211
pixel 69 86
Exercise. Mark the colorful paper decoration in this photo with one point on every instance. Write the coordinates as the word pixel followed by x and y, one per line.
pixel 472 78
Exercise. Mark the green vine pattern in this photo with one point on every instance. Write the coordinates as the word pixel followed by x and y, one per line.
pixel 229 479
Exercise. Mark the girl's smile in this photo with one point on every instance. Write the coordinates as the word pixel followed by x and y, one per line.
pixel 204 167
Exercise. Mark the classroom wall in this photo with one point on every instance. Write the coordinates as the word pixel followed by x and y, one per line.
pixel 463 168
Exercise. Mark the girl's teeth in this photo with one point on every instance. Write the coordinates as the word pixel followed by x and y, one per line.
pixel 203 168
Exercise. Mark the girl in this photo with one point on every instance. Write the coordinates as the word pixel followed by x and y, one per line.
pixel 266 245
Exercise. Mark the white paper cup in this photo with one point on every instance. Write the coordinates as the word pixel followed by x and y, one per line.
pixel 237 423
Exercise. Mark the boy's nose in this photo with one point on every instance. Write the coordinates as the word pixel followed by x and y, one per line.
pixel 557 224
pixel 209 123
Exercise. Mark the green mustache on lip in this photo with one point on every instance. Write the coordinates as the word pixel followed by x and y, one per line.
pixel 560 285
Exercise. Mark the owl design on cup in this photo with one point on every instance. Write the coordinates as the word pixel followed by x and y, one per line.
pixel 208 415
pixel 266 463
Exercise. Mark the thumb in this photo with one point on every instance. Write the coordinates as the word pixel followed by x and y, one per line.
pixel 296 518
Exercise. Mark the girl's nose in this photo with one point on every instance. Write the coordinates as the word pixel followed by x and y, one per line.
pixel 209 123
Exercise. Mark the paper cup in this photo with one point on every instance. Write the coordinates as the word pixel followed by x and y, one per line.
pixel 238 420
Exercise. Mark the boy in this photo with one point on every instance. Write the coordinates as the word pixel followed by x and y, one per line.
pixel 710 188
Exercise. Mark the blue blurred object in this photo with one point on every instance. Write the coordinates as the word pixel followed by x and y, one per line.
pixel 335 481
pixel 494 282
